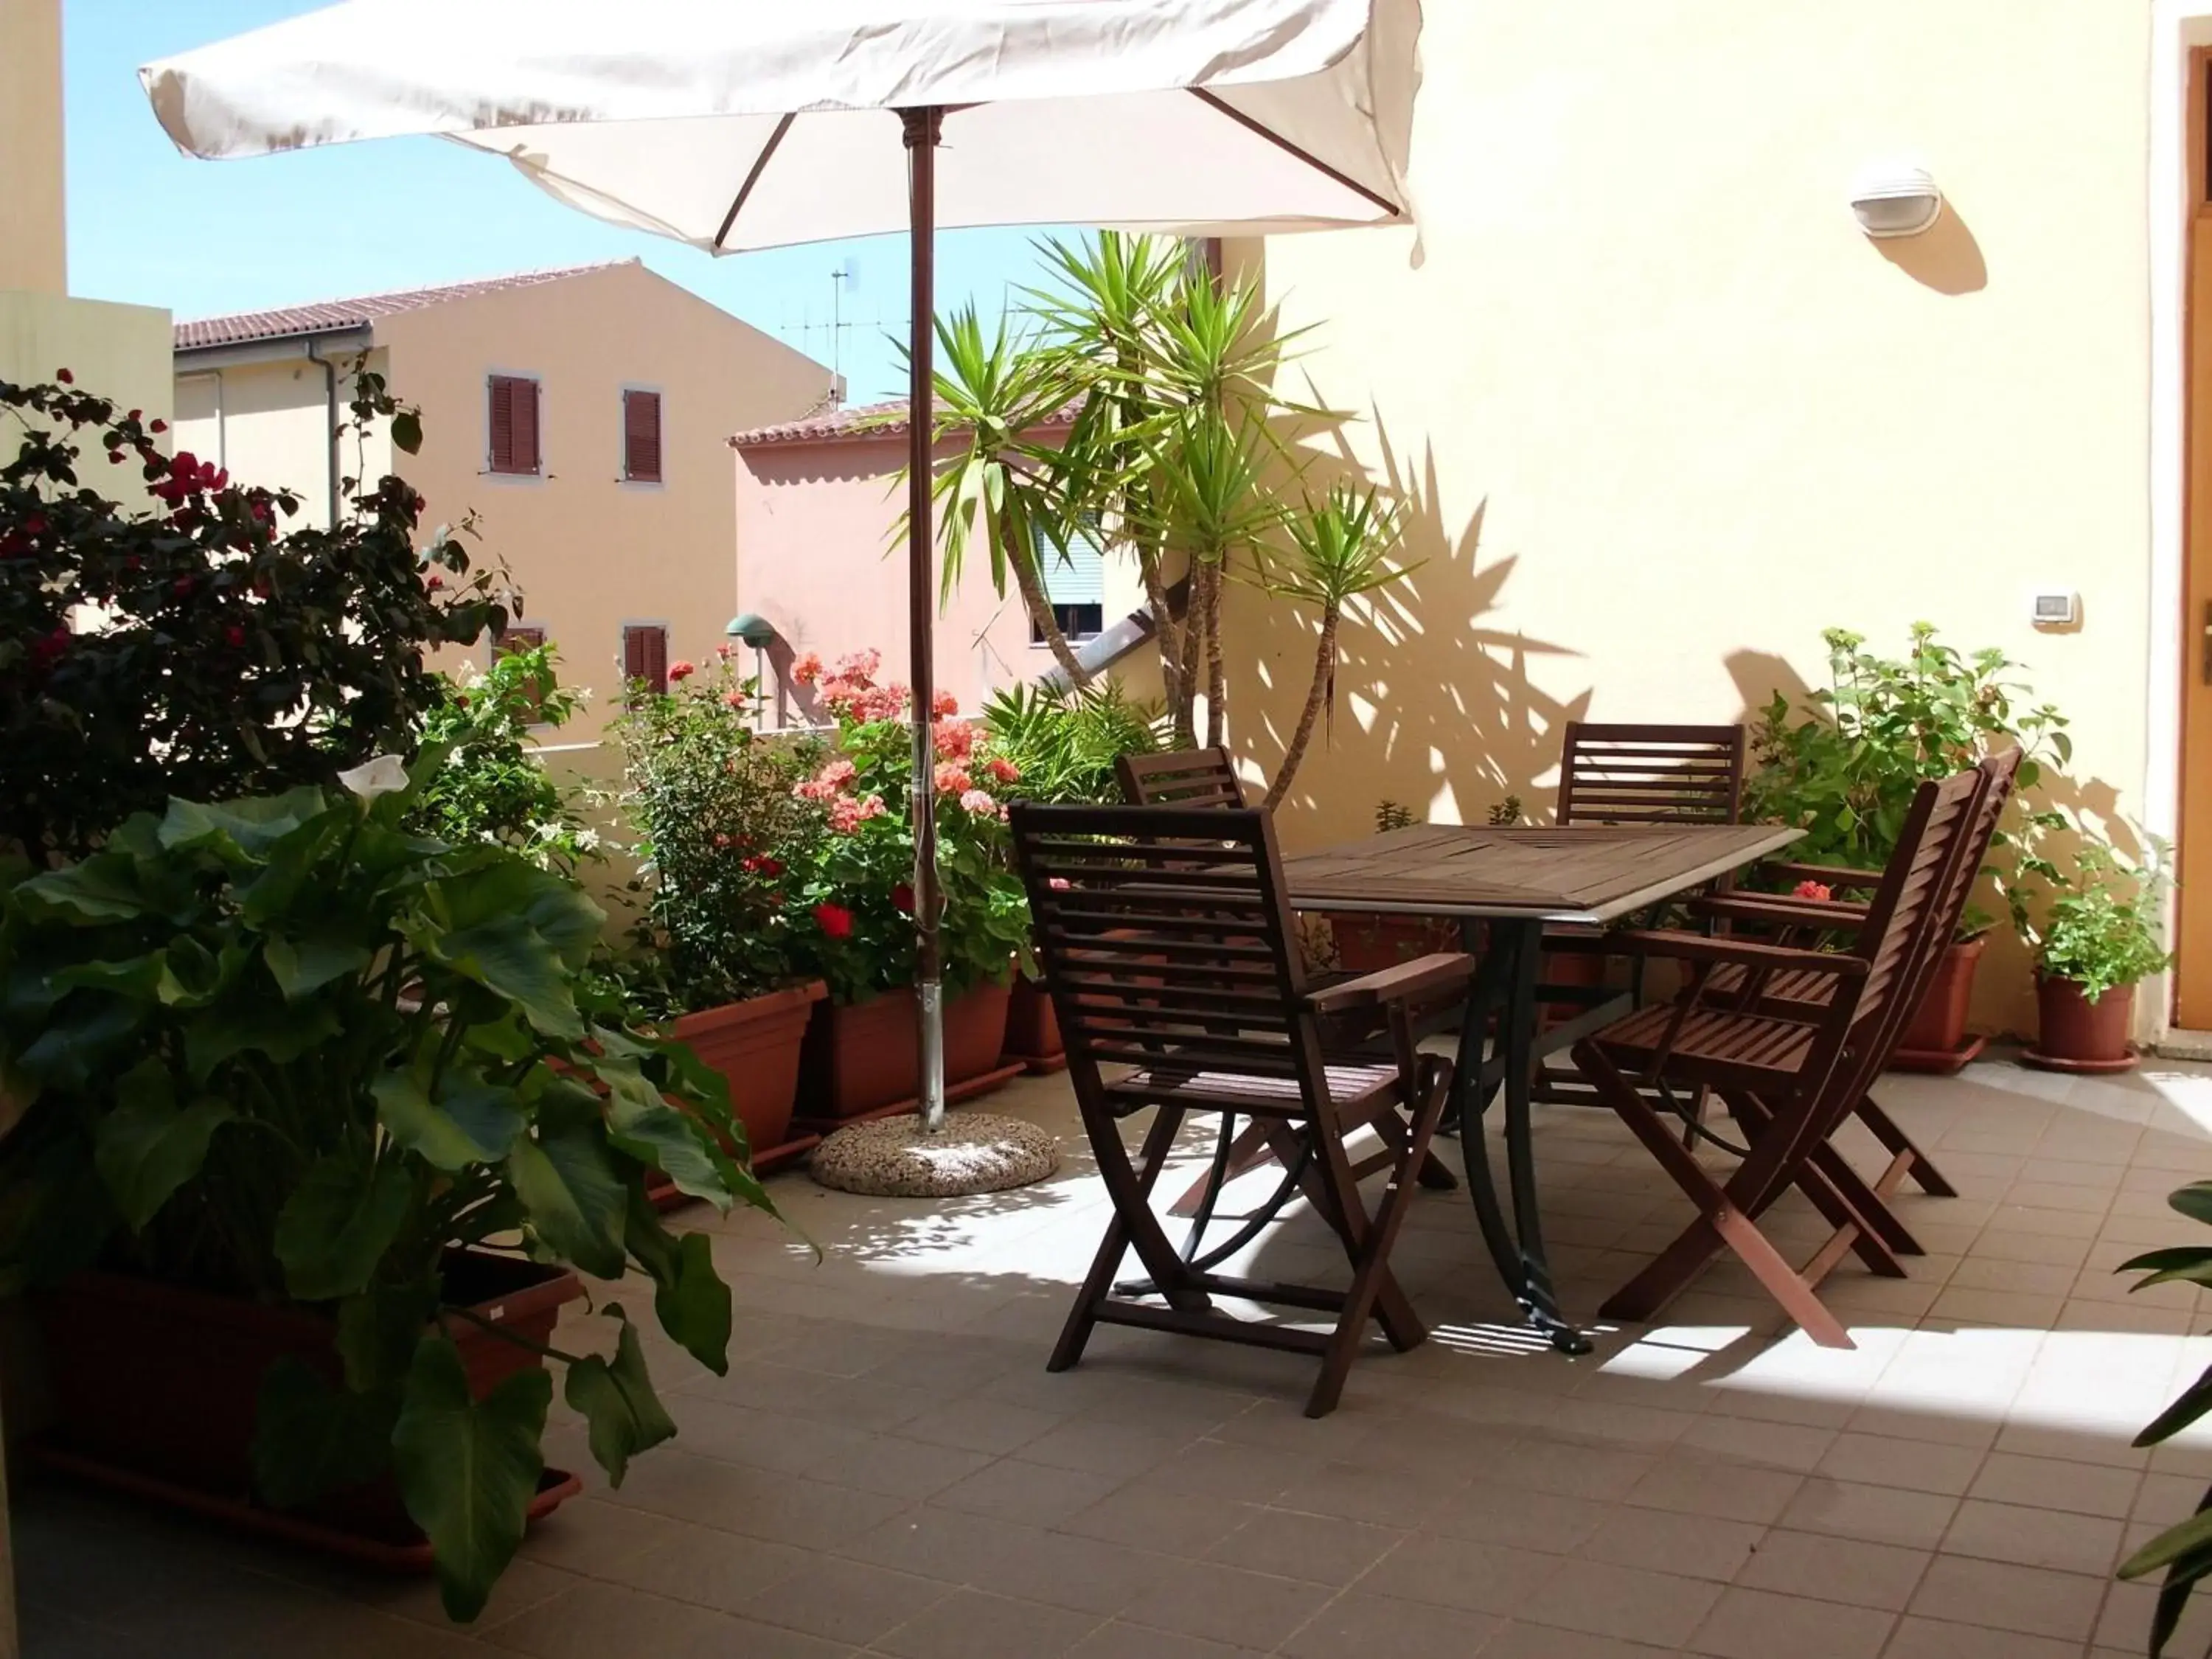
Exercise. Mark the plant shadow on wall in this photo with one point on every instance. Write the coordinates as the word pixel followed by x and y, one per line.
pixel 1428 705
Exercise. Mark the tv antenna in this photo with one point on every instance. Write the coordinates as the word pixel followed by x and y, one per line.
pixel 844 279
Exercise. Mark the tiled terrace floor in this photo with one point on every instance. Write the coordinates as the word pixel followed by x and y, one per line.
pixel 888 1468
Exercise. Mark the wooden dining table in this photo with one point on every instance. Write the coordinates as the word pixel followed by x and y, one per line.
pixel 1504 887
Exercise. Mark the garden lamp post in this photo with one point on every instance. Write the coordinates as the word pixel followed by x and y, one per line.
pixel 756 630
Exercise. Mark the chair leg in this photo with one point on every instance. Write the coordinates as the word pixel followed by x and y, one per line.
pixel 1862 1222
pixel 1132 1223
pixel 1905 1158
pixel 1723 1214
pixel 1371 1257
pixel 1393 1311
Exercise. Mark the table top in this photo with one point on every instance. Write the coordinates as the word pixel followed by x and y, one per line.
pixel 1588 873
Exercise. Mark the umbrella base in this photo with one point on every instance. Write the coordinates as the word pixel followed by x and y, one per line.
pixel 896 1158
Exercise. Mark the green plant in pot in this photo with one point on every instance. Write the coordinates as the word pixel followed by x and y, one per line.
pixel 321 1112
pixel 2183 1551
pixel 856 898
pixel 492 788
pixel 1065 743
pixel 723 846
pixel 2096 926
pixel 1843 767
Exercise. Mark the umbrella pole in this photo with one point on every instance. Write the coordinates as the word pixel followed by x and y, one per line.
pixel 923 127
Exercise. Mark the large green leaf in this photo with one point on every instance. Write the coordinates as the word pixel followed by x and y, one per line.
pixel 2194 1201
pixel 642 1124
pixel 310 1439
pixel 2192 1403
pixel 616 1399
pixel 334 1230
pixel 249 1020
pixel 76 1039
pixel 508 955
pixel 575 1200
pixel 301 965
pixel 378 1329
pixel 468 1468
pixel 238 830
pixel 140 979
pixel 554 907
pixel 147 1146
pixel 2185 1539
pixel 689 1297
pixel 102 888
pixel 471 1121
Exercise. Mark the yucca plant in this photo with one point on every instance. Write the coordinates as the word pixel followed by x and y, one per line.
pixel 1065 742
pixel 1341 548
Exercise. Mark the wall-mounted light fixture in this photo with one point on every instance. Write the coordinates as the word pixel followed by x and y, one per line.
pixel 1895 198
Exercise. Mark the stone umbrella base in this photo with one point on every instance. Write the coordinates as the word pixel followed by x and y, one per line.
pixel 974 1152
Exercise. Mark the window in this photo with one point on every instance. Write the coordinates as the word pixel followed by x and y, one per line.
pixel 513 640
pixel 1075 584
pixel 645 656
pixel 641 436
pixel 512 421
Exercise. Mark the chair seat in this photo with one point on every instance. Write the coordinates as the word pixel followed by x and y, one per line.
pixel 1357 1091
pixel 1711 1039
pixel 1797 984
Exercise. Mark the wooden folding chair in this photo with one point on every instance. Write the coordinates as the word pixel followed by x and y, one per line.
pixel 1182 777
pixel 1651 774
pixel 1794 921
pixel 1166 944
pixel 1788 1083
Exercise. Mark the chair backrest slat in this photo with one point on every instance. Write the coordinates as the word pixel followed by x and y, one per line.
pixel 1165 941
pixel 1182 777
pixel 1615 774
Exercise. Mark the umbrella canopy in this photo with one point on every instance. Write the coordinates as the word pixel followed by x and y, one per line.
pixel 732 125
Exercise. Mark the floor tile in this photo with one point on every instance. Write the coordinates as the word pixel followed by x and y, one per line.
pixel 1014 1489
pixel 1224 1604
pixel 2049 1483
pixel 846 1601
pixel 1319 1548
pixel 1622 1601
pixel 968 1624
pixel 1751 1624
pixel 1458 1573
pixel 1360 1626
pixel 1892 1514
pixel 1805 1563
pixel 2034 1538
pixel 2005 1596
pixel 1661 1542
pixel 589 1620
pixel 1933 1638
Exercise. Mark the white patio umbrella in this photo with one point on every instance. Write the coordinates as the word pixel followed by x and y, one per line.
pixel 734 125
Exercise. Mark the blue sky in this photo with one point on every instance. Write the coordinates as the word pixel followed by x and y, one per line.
pixel 152 226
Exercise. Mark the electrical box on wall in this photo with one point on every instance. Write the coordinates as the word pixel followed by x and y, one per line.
pixel 2049 608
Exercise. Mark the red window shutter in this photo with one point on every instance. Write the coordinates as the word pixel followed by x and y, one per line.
pixel 645 657
pixel 641 436
pixel 501 423
pixel 526 426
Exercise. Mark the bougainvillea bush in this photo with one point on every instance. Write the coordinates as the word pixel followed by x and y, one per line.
pixel 201 645
pixel 724 843
pixel 858 888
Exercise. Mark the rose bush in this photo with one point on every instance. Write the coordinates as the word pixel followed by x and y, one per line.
pixel 202 648
pixel 859 884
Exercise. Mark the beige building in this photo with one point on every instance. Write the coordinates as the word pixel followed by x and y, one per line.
pixel 119 351
pixel 577 417
pixel 1665 410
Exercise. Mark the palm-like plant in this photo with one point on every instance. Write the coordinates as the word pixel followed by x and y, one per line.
pixel 1341 548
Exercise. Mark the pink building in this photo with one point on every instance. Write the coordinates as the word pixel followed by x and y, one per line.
pixel 819 555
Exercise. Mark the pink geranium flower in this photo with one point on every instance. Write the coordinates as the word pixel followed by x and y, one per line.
pixel 807 669
pixel 1812 890
pixel 1003 770
pixel 952 778
pixel 978 802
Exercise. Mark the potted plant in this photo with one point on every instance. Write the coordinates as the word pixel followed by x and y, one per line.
pixel 1844 767
pixel 323 1119
pixel 856 892
pixel 720 947
pixel 2101 931
pixel 1063 744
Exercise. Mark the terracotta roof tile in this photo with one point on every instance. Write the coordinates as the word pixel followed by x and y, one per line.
pixel 329 316
pixel 883 420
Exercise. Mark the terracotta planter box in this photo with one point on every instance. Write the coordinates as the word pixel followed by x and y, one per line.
pixel 755 1045
pixel 1033 1028
pixel 2076 1034
pixel 863 1059
pixel 154 1389
pixel 1937 1039
pixel 1367 943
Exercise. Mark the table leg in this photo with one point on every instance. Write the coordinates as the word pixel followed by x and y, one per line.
pixel 1507 982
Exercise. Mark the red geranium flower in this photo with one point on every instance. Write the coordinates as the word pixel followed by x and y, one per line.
pixel 157 426
pixel 902 898
pixel 64 377
pixel 1812 890
pixel 680 670
pixel 835 920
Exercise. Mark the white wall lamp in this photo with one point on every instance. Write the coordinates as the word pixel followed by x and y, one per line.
pixel 1895 198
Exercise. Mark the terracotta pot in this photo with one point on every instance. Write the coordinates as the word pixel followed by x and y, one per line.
pixel 755 1045
pixel 863 1057
pixel 154 1389
pixel 1032 1028
pixel 1939 1024
pixel 1366 943
pixel 2076 1034
pixel 1580 969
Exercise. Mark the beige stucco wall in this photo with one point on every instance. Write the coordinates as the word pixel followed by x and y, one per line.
pixel 268 423
pixel 1663 413
pixel 816 557
pixel 589 551
pixel 34 237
